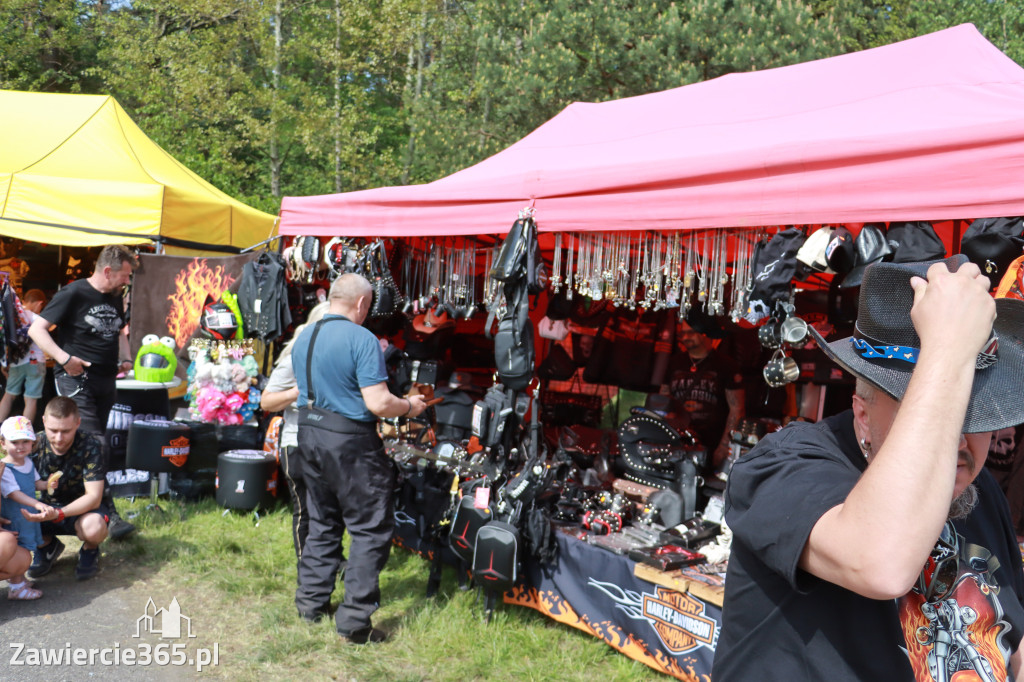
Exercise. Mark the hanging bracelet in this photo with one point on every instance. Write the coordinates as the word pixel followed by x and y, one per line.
pixel 60 515
pixel 409 403
pixel 66 361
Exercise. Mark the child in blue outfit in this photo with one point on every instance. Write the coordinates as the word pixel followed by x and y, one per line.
pixel 18 485
pixel 26 376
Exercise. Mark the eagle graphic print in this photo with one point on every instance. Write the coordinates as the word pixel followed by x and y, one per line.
pixel 104 321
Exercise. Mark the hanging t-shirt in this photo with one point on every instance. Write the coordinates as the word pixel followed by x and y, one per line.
pixel 699 387
pixel 16 270
pixel 88 323
pixel 781 623
pixel 34 354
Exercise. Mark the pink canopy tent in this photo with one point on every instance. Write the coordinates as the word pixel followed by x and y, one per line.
pixel 927 129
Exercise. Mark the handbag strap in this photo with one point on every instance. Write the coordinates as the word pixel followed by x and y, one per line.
pixel 309 357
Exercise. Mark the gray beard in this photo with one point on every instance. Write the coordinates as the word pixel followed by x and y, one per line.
pixel 964 503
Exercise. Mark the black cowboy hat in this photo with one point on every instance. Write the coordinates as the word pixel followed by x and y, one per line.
pixel 884 345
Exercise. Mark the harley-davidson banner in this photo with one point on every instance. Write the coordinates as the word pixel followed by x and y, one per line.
pixel 595 590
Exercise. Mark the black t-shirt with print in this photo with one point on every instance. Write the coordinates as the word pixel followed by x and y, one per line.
pixel 88 323
pixel 82 463
pixel 698 389
pixel 781 623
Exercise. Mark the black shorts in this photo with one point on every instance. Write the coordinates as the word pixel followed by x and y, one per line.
pixel 67 526
pixel 93 391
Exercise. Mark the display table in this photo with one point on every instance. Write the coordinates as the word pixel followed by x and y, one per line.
pixel 671 630
pixel 134 398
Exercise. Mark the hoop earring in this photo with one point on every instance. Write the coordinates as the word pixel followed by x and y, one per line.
pixel 865 446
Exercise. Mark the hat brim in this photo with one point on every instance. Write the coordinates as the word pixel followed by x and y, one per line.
pixel 19 435
pixel 421 324
pixel 994 403
pixel 855 276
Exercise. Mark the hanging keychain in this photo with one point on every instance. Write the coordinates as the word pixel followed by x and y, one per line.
pixel 569 282
pixel 556 265
pixel 635 270
pixel 672 273
pixel 702 271
pixel 581 266
pixel 596 276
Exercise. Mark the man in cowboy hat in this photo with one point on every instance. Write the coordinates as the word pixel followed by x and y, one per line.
pixel 848 560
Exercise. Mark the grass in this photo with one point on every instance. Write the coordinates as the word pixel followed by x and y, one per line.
pixel 236 580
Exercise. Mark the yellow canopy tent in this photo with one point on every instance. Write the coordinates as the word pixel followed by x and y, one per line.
pixel 76 170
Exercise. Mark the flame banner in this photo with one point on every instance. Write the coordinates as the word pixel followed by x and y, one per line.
pixel 168 293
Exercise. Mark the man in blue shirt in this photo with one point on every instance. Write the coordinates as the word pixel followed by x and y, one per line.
pixel 339 368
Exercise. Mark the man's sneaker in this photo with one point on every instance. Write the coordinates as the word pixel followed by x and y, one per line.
pixel 88 563
pixel 365 636
pixel 42 563
pixel 118 527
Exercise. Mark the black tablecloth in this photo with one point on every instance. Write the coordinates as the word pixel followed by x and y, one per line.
pixel 595 590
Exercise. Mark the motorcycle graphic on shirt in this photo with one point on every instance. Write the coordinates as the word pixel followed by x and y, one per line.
pixel 953 622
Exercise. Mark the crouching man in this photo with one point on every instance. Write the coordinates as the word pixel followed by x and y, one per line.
pixel 77 501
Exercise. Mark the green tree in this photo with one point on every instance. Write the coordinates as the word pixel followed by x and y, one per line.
pixel 262 99
pixel 48 45
pixel 497 69
pixel 871 23
pixel 271 97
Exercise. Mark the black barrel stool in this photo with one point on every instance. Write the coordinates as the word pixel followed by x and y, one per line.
pixel 158 446
pixel 246 479
pixel 200 472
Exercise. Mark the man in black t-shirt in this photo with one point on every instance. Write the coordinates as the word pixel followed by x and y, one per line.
pixel 708 387
pixel 75 460
pixel 849 561
pixel 91 348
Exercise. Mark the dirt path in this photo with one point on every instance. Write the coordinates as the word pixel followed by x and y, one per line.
pixel 102 613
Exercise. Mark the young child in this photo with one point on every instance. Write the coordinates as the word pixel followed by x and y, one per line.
pixel 18 485
pixel 27 376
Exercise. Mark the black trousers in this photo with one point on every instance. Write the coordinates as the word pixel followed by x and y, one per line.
pixel 291 466
pixel 350 484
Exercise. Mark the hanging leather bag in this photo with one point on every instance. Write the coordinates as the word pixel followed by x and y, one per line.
pixel 557 365
pixel 386 296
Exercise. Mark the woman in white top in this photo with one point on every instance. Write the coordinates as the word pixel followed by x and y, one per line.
pixel 281 394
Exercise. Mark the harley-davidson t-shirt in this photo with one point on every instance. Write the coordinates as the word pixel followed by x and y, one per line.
pixel 781 623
